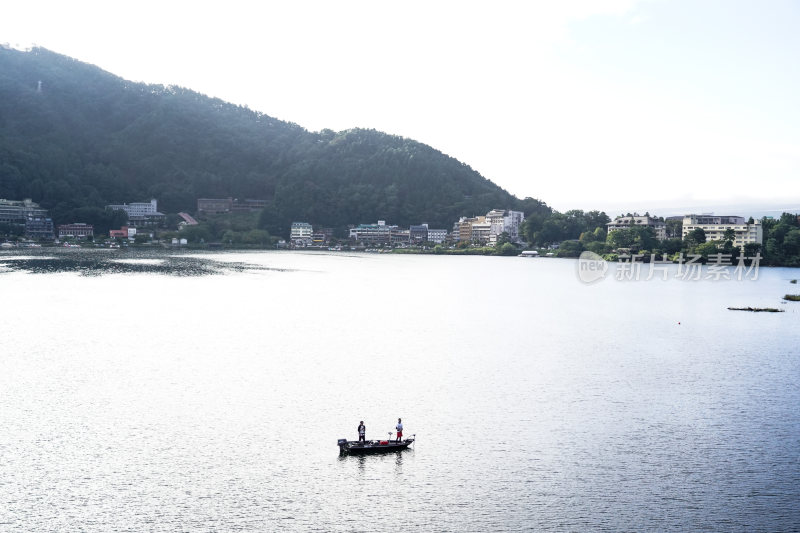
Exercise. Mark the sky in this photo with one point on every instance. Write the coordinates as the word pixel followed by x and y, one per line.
pixel 618 105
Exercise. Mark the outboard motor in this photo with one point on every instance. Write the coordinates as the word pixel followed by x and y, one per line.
pixel 342 443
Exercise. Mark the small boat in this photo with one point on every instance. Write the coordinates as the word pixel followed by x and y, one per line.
pixel 354 447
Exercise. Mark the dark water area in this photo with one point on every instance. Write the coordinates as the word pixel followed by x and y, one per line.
pixel 159 391
pixel 96 262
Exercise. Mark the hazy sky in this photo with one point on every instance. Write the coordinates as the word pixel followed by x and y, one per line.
pixel 587 104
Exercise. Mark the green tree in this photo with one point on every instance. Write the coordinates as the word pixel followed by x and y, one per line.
pixel 791 243
pixel 707 248
pixel 621 238
pixel 196 234
pixel 258 237
pixel 729 235
pixel 502 239
pixel 598 247
pixel 695 237
pixel 507 249
pixel 600 234
pixel 670 246
pixel 571 248
pixel 645 238
pixel 674 228
pixel 751 249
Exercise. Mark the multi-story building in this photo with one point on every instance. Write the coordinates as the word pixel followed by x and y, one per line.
pixel 378 233
pixel 464 227
pixel 437 235
pixel 77 230
pixel 716 226
pixel 399 236
pixel 496 220
pixel 481 232
pixel 503 221
pixel 301 234
pixel 512 224
pixel 37 227
pixel 27 217
pixel 141 214
pixel 249 204
pixel 477 230
pixel 214 206
pixel 16 212
pixel 418 234
pixel 218 206
pixel 322 236
pixel 318 239
pixel 637 220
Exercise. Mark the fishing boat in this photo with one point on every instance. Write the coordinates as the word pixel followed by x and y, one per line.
pixel 354 447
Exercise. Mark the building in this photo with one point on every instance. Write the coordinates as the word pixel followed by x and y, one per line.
pixel 636 220
pixel 322 236
pixel 716 226
pixel 512 224
pixel 301 234
pixel 481 232
pixel 218 206
pixel 487 228
pixel 437 235
pixel 399 236
pixel 125 232
pixel 214 206
pixel 379 233
pixel 141 214
pixel 477 230
pixel 502 221
pixel 249 204
pixel 464 227
pixel 418 234
pixel 496 220
pixel 27 217
pixel 37 227
pixel 77 230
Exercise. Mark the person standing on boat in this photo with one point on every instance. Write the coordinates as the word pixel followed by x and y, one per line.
pixel 399 428
pixel 362 432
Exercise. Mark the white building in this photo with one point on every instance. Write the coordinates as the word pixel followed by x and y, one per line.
pixel 716 226
pixel 482 232
pixel 637 220
pixel 141 213
pixel 437 235
pixel 379 233
pixel 301 233
pixel 502 221
pixel 496 220
pixel 512 222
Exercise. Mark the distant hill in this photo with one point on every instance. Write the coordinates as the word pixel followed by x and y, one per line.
pixel 83 138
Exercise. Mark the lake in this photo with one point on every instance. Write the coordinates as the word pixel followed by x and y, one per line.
pixel 170 391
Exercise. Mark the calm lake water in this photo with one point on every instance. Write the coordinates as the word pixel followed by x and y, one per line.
pixel 205 392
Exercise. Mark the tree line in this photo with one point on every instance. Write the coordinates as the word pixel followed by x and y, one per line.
pixel 87 139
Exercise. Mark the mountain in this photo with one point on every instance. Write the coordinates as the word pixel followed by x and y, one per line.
pixel 74 137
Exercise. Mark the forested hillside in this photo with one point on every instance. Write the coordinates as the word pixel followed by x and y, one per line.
pixel 83 138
